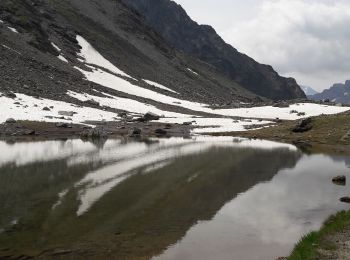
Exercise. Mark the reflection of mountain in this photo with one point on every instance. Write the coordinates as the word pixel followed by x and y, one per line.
pixel 142 215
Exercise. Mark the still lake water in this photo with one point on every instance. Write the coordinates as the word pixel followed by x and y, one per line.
pixel 197 198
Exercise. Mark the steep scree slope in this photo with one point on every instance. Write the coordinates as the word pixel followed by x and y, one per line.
pixel 201 41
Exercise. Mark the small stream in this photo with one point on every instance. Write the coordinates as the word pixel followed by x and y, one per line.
pixel 195 198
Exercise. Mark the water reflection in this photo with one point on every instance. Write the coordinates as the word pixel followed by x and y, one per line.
pixel 208 197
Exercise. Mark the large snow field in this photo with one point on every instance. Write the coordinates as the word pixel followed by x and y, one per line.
pixel 107 79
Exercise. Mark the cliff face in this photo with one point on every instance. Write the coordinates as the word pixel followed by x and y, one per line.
pixel 201 41
pixel 339 93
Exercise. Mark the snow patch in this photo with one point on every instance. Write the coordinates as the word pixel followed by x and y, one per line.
pixel 12 29
pixel 62 58
pixel 125 104
pixel 56 47
pixel 30 108
pixel 91 56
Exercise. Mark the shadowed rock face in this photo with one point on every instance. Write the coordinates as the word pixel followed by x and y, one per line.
pixel 171 21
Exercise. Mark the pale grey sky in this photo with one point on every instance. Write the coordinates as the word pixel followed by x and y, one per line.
pixel 305 39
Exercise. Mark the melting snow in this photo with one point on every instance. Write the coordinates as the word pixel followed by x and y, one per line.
pixel 215 125
pixel 126 104
pixel 30 108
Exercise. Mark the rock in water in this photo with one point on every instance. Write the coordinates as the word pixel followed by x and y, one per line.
pixel 150 116
pixel 345 199
pixel 340 180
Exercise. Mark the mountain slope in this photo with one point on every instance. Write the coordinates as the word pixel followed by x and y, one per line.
pixel 29 59
pixel 201 41
pixel 339 93
pixel 309 91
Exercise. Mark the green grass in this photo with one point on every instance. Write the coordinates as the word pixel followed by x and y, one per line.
pixel 307 248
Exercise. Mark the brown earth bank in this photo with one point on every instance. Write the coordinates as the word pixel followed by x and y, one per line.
pixel 32 130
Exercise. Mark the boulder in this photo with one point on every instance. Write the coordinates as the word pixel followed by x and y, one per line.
pixel 92 103
pixel 46 109
pixel 10 121
pixel 10 95
pixel 66 113
pixel 149 116
pixel 303 125
pixel 340 180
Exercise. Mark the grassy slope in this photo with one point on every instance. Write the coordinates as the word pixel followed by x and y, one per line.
pixel 309 247
pixel 329 134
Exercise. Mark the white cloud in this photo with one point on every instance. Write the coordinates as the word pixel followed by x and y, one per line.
pixel 309 40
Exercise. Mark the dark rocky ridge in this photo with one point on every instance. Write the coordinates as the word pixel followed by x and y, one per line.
pixel 29 62
pixel 201 41
pixel 339 93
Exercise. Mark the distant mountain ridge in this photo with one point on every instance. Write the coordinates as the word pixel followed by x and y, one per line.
pixel 309 91
pixel 201 41
pixel 339 93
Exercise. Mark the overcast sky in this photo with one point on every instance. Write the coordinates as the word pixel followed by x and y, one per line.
pixel 305 39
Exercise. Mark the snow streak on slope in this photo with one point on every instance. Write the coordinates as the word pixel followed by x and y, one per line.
pixel 126 104
pixel 109 80
pixel 157 85
pixel 90 55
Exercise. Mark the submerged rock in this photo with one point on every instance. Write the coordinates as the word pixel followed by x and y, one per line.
pixel 340 180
